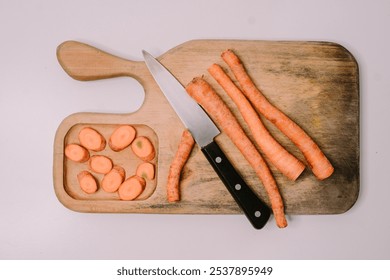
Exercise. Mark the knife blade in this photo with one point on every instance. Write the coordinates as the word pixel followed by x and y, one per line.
pixel 204 131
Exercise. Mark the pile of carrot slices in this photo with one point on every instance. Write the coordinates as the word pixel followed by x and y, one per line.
pixel 114 176
pixel 251 103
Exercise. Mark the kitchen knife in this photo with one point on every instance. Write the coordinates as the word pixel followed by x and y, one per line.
pixel 204 131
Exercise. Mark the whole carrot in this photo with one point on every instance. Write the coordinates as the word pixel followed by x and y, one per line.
pixel 202 92
pixel 182 154
pixel 285 162
pixel 316 159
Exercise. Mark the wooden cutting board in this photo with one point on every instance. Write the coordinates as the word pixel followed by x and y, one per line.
pixel 315 83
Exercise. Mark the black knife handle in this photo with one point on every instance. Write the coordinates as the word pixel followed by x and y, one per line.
pixel 254 208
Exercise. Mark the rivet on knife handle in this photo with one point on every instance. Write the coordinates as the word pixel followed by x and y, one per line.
pixel 255 210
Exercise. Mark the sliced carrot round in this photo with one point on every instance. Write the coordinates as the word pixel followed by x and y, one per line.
pixel 143 148
pixel 87 182
pixel 131 188
pixel 91 139
pixel 145 170
pixel 76 153
pixel 113 179
pixel 122 137
pixel 100 164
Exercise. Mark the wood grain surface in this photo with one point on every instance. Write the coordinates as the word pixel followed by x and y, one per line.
pixel 315 83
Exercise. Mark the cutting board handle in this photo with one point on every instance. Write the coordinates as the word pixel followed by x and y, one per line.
pixel 85 63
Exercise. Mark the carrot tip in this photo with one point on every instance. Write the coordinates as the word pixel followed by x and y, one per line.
pixel 280 218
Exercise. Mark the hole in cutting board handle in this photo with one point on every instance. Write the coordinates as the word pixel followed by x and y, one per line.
pixel 114 95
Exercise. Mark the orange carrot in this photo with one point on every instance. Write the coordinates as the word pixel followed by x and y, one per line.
pixel 122 137
pixel 76 153
pixel 87 182
pixel 100 164
pixel 202 92
pixel 316 159
pixel 131 188
pixel 143 148
pixel 279 156
pixel 182 154
pixel 113 179
pixel 145 170
pixel 91 139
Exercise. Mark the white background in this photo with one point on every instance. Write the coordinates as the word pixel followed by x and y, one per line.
pixel 36 95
